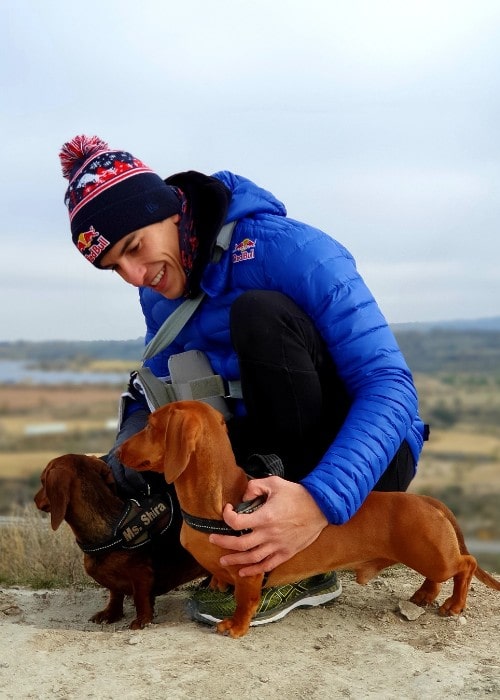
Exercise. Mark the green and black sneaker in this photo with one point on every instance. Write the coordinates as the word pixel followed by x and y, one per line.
pixel 209 606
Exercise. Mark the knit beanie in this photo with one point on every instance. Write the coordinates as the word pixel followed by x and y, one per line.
pixel 110 194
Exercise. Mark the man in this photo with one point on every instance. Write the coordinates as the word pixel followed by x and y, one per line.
pixel 327 395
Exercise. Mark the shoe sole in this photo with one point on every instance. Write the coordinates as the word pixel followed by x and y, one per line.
pixel 308 602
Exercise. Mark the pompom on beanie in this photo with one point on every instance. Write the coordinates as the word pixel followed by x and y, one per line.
pixel 110 194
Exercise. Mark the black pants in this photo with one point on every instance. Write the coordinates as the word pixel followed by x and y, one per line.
pixel 294 398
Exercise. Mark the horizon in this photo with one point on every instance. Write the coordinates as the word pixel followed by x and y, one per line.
pixel 454 322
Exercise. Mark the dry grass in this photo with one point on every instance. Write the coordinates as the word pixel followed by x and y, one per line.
pixel 31 554
pixel 125 366
pixel 464 441
pixel 35 399
pixel 84 410
pixel 462 457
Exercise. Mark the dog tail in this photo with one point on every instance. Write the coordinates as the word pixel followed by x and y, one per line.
pixel 479 573
pixel 487 579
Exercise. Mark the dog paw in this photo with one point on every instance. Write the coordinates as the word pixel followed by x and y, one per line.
pixel 426 594
pixel 230 627
pixel 421 599
pixel 451 607
pixel 105 617
pixel 139 624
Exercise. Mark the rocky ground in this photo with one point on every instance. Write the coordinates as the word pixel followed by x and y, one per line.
pixel 366 644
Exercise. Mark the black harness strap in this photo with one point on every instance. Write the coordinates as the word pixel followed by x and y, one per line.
pixel 219 527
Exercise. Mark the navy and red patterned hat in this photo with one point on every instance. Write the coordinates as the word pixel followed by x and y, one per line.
pixel 111 193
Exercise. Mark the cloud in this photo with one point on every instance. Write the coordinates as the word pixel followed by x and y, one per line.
pixel 374 121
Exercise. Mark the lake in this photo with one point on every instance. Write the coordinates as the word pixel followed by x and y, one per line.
pixel 21 372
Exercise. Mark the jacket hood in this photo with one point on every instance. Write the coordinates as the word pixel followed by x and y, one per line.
pixel 247 198
pixel 208 200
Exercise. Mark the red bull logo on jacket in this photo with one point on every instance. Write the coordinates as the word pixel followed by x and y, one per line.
pixel 91 244
pixel 245 250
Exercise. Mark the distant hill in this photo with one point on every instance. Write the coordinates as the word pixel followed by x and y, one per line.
pixel 446 346
pixel 471 346
pixel 62 350
pixel 440 350
pixel 477 324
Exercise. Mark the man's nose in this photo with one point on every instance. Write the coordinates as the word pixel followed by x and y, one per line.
pixel 132 272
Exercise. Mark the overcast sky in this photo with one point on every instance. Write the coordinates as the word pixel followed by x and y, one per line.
pixel 377 121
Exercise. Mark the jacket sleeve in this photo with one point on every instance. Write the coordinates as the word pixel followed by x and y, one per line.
pixel 384 404
pixel 321 276
pixel 130 482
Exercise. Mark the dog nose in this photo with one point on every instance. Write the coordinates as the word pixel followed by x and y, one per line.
pixel 42 502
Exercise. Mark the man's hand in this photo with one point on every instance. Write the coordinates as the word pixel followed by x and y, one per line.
pixel 287 523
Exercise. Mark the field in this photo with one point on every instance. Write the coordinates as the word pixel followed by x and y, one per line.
pixel 461 460
pixel 460 452
pixel 38 423
pixel 84 418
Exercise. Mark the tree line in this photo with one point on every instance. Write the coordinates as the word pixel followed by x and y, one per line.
pixel 432 351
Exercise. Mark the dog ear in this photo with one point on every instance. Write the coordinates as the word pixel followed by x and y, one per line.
pixel 57 485
pixel 182 431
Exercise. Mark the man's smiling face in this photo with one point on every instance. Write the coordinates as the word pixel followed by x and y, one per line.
pixel 150 257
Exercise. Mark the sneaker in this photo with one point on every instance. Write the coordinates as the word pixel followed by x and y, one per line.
pixel 207 605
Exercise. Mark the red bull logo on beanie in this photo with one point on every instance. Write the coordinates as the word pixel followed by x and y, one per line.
pixel 91 244
pixel 244 250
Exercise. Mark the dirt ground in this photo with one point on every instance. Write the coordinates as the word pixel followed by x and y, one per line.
pixel 359 646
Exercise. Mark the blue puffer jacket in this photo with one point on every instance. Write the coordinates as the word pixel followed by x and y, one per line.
pixel 270 251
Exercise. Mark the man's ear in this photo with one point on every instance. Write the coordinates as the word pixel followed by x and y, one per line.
pixel 182 432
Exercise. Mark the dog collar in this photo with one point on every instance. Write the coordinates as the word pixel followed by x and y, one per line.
pixel 220 527
pixel 137 525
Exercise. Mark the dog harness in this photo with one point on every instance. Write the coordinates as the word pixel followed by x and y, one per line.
pixel 140 522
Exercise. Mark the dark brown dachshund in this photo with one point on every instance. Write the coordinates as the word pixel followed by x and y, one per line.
pixel 188 442
pixel 81 490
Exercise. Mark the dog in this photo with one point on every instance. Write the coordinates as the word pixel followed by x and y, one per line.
pixel 81 490
pixel 188 442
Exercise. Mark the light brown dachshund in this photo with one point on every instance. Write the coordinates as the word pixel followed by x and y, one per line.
pixel 188 442
pixel 81 490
